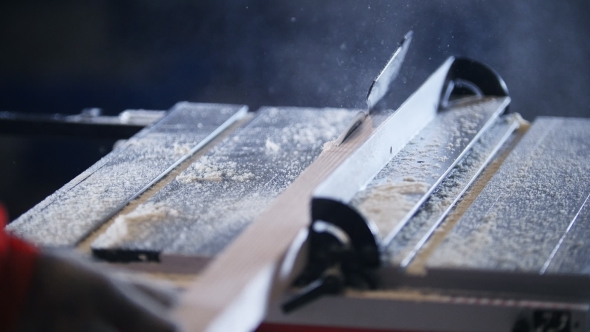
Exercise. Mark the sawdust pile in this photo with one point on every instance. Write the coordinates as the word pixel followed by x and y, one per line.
pixel 329 146
pixel 124 225
pixel 207 169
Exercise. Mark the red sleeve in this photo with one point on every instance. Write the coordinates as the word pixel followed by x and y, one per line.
pixel 17 260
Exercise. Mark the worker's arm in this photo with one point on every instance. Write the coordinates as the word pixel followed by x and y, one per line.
pixel 17 262
pixel 56 291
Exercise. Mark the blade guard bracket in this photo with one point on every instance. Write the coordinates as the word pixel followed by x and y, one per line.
pixel 470 77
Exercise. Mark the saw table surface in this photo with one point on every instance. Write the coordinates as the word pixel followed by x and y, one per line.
pixel 524 228
pixel 74 211
pixel 215 198
pixel 531 215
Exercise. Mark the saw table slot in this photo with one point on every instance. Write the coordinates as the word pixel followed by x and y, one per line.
pixel 70 214
pixel 214 199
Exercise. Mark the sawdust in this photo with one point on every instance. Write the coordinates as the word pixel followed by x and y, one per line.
pixel 209 169
pixel 242 177
pixel 387 204
pixel 182 149
pixel 189 178
pixel 271 146
pixel 329 146
pixel 122 229
pixel 202 170
pixel 157 145
pixel 314 132
pixel 523 124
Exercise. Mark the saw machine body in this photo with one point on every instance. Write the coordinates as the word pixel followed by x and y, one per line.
pixel 450 214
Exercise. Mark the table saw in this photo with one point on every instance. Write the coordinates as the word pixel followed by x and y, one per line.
pixel 449 213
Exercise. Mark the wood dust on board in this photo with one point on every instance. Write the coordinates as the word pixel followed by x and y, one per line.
pixel 209 169
pixel 122 227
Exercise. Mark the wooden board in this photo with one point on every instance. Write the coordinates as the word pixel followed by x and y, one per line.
pixel 233 292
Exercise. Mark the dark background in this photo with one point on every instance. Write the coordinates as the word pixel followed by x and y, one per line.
pixel 63 56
